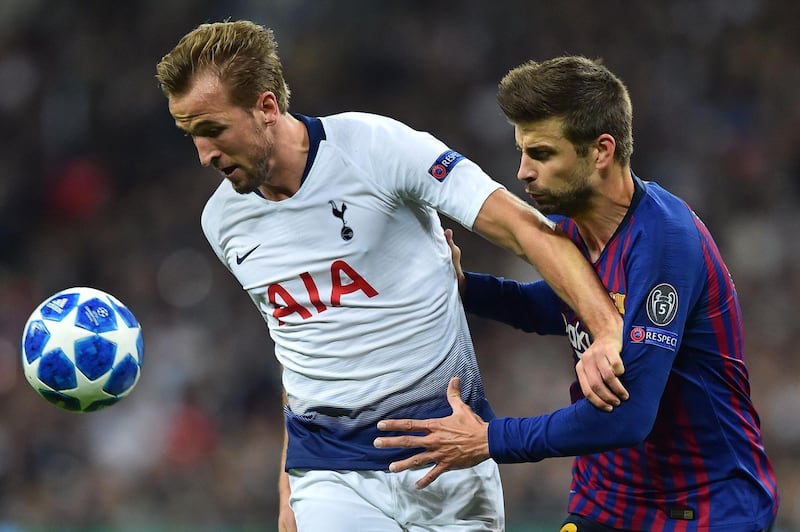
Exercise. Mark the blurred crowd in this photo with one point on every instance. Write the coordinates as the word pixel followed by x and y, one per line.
pixel 98 188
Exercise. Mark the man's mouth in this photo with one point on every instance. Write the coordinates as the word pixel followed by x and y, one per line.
pixel 228 170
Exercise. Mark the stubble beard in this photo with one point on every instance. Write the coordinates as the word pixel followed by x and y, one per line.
pixel 258 174
pixel 571 201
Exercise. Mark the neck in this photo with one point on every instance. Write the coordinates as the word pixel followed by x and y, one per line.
pixel 288 158
pixel 600 221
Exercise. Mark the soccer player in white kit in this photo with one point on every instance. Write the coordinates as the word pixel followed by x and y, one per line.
pixel 331 225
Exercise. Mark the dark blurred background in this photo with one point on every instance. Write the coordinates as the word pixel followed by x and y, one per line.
pixel 98 188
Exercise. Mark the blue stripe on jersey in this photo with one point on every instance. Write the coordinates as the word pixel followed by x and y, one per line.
pixel 342 440
pixel 318 443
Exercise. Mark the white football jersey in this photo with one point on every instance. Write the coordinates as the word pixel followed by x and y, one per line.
pixel 354 278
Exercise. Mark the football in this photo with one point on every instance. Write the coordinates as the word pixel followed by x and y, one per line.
pixel 82 349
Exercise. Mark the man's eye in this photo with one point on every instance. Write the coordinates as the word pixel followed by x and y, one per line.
pixel 205 132
pixel 539 155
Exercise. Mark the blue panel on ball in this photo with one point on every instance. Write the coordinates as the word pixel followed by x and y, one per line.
pixel 101 404
pixel 123 376
pixel 140 347
pixel 96 316
pixel 94 356
pixel 126 315
pixel 59 399
pixel 56 371
pixel 59 306
pixel 35 339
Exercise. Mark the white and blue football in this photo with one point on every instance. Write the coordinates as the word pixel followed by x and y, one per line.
pixel 82 349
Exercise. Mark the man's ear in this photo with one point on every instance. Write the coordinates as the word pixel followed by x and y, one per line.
pixel 267 104
pixel 605 147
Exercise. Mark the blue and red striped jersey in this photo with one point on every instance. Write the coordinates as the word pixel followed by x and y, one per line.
pixel 685 452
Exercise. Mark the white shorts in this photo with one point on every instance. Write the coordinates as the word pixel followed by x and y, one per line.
pixel 465 500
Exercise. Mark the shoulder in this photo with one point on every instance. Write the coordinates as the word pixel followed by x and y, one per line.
pixel 221 194
pixel 358 125
pixel 381 139
pixel 663 213
pixel 567 225
pixel 665 228
pixel 361 119
pixel 212 211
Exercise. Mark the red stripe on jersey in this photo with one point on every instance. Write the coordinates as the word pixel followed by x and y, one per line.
pixel 736 372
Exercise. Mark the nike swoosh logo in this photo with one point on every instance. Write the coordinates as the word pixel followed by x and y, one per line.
pixel 240 258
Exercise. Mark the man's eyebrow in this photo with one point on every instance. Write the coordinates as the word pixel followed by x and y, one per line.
pixel 539 146
pixel 196 126
pixel 206 123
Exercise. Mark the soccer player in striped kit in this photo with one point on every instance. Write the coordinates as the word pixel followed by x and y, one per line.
pixel 330 225
pixel 684 452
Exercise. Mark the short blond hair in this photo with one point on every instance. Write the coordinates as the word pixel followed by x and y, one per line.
pixel 242 54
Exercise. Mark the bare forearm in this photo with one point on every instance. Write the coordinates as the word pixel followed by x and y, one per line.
pixel 571 276
pixel 511 223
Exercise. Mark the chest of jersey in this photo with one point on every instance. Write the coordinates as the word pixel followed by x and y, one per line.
pixel 340 237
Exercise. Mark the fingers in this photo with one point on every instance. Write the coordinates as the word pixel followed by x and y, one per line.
pixel 416 461
pixel 403 425
pixel 448 235
pixel 601 386
pixel 413 462
pixel 595 389
pixel 617 388
pixel 611 372
pixel 454 393
pixel 599 371
pixel 614 361
pixel 433 450
pixel 405 442
pixel 430 476
pixel 455 257
pixel 423 425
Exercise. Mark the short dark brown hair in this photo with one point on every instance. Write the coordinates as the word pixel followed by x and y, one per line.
pixel 582 92
pixel 242 54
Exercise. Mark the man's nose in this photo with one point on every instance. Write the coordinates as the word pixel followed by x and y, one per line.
pixel 206 151
pixel 526 170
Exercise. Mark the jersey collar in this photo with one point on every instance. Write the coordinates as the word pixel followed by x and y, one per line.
pixel 316 134
pixel 638 193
